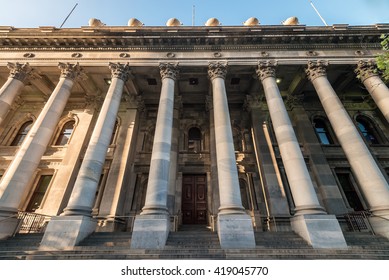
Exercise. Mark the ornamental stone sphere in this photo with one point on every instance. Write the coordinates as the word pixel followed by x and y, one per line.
pixel 291 21
pixel 251 21
pixel 134 22
pixel 212 22
pixel 173 22
pixel 95 22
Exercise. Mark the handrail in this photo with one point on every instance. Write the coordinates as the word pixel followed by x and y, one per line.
pixel 31 222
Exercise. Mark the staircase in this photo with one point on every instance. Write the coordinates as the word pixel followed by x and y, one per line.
pixel 194 242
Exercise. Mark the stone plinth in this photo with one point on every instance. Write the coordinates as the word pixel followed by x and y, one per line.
pixel 65 232
pixel 320 231
pixel 8 223
pixel 235 231
pixel 380 223
pixel 150 232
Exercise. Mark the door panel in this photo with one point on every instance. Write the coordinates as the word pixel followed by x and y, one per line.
pixel 194 199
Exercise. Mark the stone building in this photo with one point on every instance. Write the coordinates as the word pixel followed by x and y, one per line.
pixel 238 129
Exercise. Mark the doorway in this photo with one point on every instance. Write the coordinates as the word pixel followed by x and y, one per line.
pixel 194 200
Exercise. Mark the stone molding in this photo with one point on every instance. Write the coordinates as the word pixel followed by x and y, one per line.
pixel 266 69
pixel 366 69
pixel 169 70
pixel 120 71
pixel 22 72
pixel 71 71
pixel 316 68
pixel 217 69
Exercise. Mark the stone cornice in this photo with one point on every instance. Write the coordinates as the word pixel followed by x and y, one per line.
pixel 192 38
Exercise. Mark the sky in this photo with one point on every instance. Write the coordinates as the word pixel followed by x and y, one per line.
pixel 35 13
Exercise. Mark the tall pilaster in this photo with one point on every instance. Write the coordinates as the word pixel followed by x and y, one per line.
pixel 371 181
pixel 367 73
pixel 309 219
pixel 18 77
pixel 15 183
pixel 151 227
pixel 235 228
pixel 80 204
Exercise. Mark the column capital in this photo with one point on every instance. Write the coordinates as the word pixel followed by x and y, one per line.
pixel 217 69
pixel 21 72
pixel 71 71
pixel 294 101
pixel 266 69
pixel 316 68
pixel 120 71
pixel 169 70
pixel 366 69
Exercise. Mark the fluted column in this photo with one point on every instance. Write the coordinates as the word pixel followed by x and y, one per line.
pixel 19 75
pixel 17 178
pixel 151 227
pixel 300 182
pixel 310 220
pixel 371 181
pixel 84 190
pixel 232 217
pixel 367 73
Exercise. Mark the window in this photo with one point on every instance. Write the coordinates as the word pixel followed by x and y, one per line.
pixel 244 194
pixel 322 131
pixel 115 129
pixel 194 140
pixel 349 191
pixel 368 130
pixel 40 190
pixel 22 133
pixel 66 132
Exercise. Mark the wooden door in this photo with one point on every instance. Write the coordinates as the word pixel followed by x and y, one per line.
pixel 194 199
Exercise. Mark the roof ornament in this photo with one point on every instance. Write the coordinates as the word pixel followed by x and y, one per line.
pixel 291 21
pixel 173 22
pixel 251 22
pixel 212 22
pixel 133 22
pixel 93 22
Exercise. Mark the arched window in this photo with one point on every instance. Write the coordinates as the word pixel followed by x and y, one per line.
pixel 368 130
pixel 194 140
pixel 66 132
pixel 22 133
pixel 322 131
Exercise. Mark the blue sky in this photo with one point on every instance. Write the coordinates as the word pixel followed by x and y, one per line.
pixel 34 13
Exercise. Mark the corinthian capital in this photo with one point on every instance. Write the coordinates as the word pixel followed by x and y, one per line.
pixel 316 69
pixel 71 71
pixel 217 70
pixel 366 69
pixel 169 70
pixel 21 72
pixel 266 69
pixel 120 71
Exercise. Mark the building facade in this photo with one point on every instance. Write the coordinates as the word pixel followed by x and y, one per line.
pixel 236 128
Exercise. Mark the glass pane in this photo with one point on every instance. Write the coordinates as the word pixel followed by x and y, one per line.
pixel 22 133
pixel 39 193
pixel 65 134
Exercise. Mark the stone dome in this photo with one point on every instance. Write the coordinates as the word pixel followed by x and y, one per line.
pixel 134 22
pixel 95 22
pixel 212 22
pixel 291 21
pixel 251 21
pixel 173 22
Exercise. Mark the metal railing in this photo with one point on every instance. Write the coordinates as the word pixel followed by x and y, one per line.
pixel 359 221
pixel 32 222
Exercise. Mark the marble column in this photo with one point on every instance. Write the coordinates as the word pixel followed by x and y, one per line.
pixel 151 227
pixel 371 181
pixel 17 179
pixel 18 77
pixel 310 221
pixel 367 73
pixel 76 222
pixel 235 227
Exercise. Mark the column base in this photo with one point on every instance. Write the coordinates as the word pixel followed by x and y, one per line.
pixel 8 227
pixel 235 231
pixel 150 231
pixel 380 224
pixel 65 232
pixel 320 231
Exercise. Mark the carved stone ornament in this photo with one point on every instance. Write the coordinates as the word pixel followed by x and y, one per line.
pixel 169 70
pixel 315 69
pixel 71 71
pixel 366 69
pixel 217 70
pixel 266 69
pixel 120 71
pixel 21 72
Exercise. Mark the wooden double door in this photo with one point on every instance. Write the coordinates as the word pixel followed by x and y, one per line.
pixel 194 199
